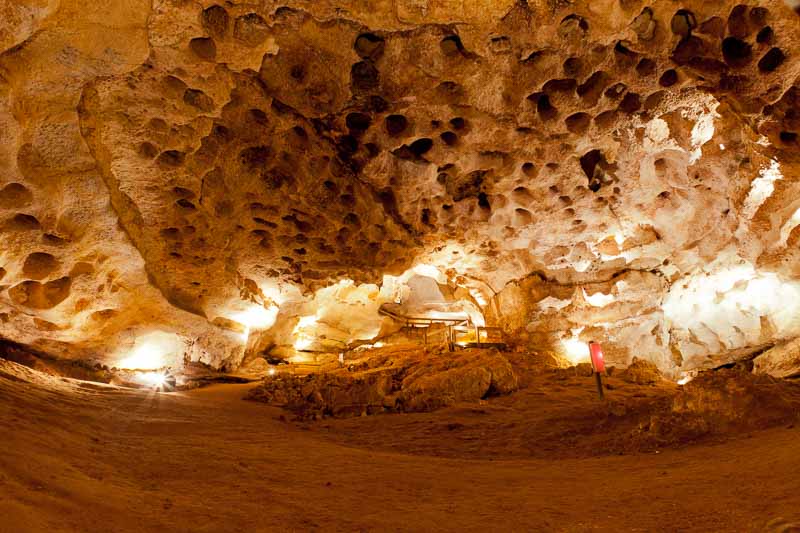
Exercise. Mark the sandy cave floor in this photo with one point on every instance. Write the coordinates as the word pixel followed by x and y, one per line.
pixel 76 456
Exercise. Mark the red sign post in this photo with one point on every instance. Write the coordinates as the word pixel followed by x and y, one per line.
pixel 598 365
pixel 596 354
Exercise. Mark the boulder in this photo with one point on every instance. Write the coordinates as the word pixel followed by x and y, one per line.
pixel 446 388
pixel 326 394
pixel 641 372
pixel 782 361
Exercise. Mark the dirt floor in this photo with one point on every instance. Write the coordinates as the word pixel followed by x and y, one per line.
pixel 84 457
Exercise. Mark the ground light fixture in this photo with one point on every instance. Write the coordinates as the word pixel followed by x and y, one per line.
pixel 160 380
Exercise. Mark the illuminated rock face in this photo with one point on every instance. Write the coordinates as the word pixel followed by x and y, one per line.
pixel 611 170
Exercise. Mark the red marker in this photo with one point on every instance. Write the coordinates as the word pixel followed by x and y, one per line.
pixel 596 354
pixel 598 365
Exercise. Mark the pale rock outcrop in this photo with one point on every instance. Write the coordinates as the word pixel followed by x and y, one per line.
pixel 782 361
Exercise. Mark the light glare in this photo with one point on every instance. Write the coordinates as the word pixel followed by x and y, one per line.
pixel 574 349
pixel 304 332
pixel 598 299
pixel 257 317
pixel 152 351
pixel 762 188
pixel 152 379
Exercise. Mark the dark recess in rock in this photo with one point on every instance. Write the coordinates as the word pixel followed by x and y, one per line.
pixel 369 46
pixel 683 22
pixel 736 52
pixel 358 122
pixel 204 48
pixel 421 146
pixel 216 20
pixel 668 78
pixel 395 124
pixel 771 60
pixel 451 45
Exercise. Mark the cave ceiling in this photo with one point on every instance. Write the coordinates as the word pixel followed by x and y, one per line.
pixel 167 164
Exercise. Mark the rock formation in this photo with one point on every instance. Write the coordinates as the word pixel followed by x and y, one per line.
pixel 396 379
pixel 211 181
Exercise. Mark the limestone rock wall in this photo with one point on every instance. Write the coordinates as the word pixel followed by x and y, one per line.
pixel 198 169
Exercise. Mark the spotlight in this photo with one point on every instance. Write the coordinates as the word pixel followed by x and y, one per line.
pixel 574 350
pixel 153 379
pixel 158 380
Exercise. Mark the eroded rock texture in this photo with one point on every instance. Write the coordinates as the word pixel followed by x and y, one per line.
pixel 397 379
pixel 621 170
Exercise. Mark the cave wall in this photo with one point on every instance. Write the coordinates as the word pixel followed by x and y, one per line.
pixel 581 168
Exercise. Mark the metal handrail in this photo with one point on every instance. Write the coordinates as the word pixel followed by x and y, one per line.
pixel 424 320
pixel 453 325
